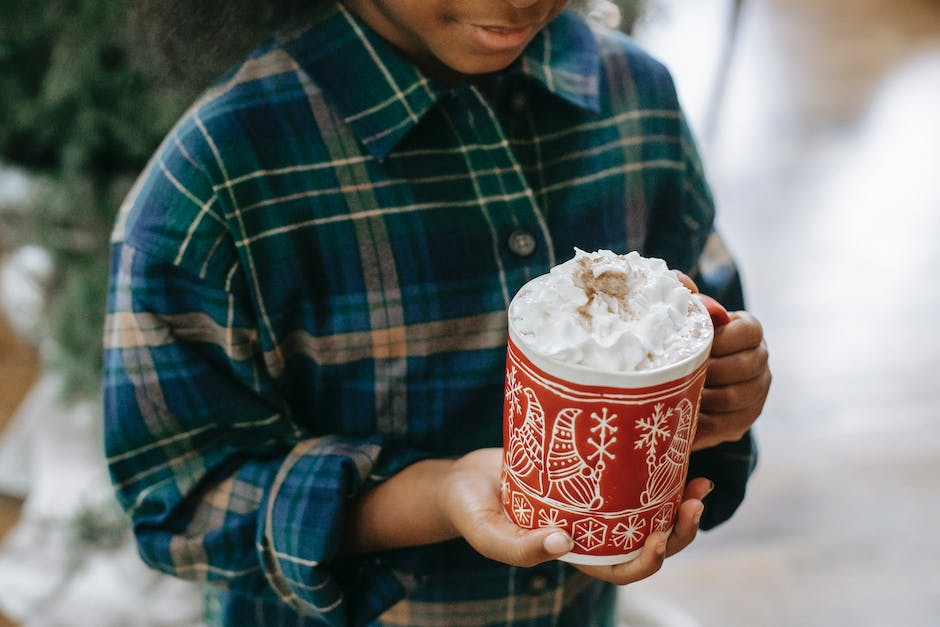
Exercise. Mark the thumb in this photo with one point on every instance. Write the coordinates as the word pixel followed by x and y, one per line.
pixel 716 310
pixel 498 538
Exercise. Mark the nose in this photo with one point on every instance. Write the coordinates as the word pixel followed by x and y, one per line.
pixel 521 4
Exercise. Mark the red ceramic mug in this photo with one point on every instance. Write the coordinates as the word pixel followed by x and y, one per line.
pixel 603 455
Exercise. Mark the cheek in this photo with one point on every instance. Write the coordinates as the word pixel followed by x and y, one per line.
pixel 434 30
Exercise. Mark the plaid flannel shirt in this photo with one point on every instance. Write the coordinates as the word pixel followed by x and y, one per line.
pixel 308 293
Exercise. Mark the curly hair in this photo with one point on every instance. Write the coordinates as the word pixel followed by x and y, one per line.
pixel 193 41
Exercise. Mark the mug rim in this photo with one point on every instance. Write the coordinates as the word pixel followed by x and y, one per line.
pixel 587 375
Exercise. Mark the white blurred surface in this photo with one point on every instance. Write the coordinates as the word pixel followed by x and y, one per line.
pixel 824 162
pixel 48 575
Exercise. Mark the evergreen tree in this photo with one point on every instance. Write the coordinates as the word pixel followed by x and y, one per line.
pixel 82 117
pixel 80 113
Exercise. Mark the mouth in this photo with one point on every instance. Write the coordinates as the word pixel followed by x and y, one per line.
pixel 501 37
pixel 497 28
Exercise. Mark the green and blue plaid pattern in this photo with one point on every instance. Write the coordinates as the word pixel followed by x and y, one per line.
pixel 309 289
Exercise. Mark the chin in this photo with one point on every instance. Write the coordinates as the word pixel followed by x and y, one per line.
pixel 483 66
pixel 470 61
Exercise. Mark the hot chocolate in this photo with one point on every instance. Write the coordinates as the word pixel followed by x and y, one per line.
pixel 605 365
pixel 610 312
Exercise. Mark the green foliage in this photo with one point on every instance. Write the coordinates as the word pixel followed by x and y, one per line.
pixel 78 112
pixel 71 97
pixel 82 116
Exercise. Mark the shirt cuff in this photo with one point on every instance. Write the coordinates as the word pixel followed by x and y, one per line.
pixel 302 526
pixel 729 465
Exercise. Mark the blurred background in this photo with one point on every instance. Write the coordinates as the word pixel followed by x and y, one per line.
pixel 819 122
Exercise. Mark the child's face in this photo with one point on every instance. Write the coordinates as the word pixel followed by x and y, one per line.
pixel 450 39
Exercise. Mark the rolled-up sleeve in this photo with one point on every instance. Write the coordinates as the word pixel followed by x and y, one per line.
pixel 220 483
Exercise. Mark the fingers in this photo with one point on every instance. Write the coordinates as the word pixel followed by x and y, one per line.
pixel 494 536
pixel 690 513
pixel 728 412
pixel 648 562
pixel 739 396
pixel 659 545
pixel 716 311
pixel 470 498
pixel 716 429
pixel 736 384
pixel 686 528
pixel 697 488
pixel 686 281
pixel 736 367
pixel 486 461
pixel 736 388
pixel 743 332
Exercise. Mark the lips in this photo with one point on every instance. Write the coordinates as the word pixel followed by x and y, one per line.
pixel 503 30
pixel 500 38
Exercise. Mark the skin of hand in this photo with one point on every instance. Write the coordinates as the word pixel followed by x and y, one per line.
pixel 460 498
pixel 737 380
pixel 659 545
pixel 736 383
pixel 455 498
pixel 470 498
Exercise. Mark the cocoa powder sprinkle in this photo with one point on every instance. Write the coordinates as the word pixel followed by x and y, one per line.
pixel 609 282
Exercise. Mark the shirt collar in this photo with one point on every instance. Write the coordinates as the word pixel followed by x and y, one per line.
pixel 564 59
pixel 382 96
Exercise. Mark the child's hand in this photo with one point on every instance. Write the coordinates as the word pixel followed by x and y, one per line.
pixel 659 545
pixel 469 497
pixel 736 384
pixel 738 377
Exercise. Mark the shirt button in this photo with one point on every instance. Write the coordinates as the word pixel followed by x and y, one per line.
pixel 519 102
pixel 522 243
pixel 537 584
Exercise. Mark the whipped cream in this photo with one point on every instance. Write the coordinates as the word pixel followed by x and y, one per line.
pixel 610 312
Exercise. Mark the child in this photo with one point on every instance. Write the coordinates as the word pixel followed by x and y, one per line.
pixel 307 318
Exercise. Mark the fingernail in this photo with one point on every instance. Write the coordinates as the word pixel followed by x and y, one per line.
pixel 557 542
pixel 697 516
pixel 661 548
pixel 711 486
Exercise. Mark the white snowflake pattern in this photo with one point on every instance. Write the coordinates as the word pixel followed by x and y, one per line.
pixel 504 490
pixel 654 430
pixel 521 510
pixel 551 518
pixel 663 519
pixel 626 535
pixel 589 533
pixel 513 392
pixel 602 430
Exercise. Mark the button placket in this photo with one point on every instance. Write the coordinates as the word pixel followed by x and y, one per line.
pixel 519 102
pixel 537 583
pixel 522 243
pixel 521 221
pixel 504 194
